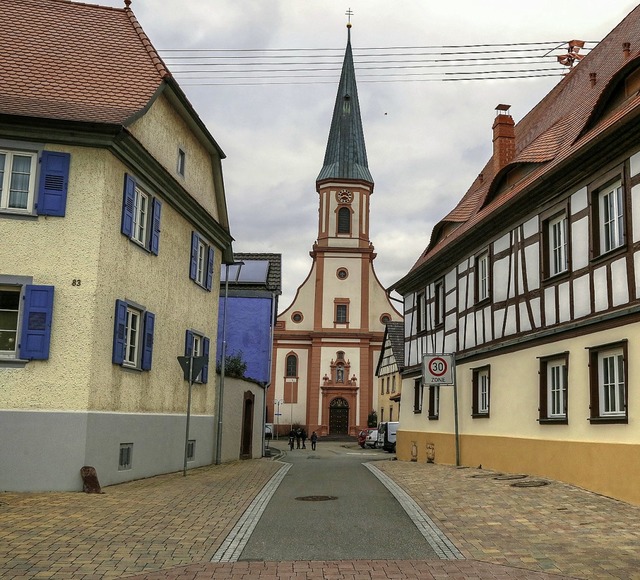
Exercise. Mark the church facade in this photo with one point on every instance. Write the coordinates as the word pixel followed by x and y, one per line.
pixel 327 342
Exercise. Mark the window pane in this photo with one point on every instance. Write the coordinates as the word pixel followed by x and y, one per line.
pixel 19 186
pixel 344 220
pixel 140 216
pixel 2 162
pixel 292 366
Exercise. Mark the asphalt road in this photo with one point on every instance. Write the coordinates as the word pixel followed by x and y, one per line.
pixel 361 521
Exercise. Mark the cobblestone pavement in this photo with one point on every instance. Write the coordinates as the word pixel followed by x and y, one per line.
pixel 171 526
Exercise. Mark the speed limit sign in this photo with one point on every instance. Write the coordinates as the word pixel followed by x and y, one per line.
pixel 438 369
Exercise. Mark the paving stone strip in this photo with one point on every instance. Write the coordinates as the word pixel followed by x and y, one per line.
pixel 442 546
pixel 237 539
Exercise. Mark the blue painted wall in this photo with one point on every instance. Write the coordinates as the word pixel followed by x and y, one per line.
pixel 248 322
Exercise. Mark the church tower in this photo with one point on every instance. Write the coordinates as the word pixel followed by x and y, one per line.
pixel 327 342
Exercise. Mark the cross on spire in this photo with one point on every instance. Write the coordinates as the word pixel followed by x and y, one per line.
pixel 349 14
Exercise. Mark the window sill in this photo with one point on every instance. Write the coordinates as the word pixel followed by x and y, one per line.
pixel 480 415
pixel 417 411
pixel 484 302
pixel 18 214
pixel 13 363
pixel 551 421
pixel 433 417
pixel 615 252
pixel 623 419
pixel 553 278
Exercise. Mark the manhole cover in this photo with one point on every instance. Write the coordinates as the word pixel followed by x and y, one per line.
pixel 316 497
pixel 530 483
pixel 513 476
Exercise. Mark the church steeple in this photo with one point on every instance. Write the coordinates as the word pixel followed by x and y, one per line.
pixel 346 155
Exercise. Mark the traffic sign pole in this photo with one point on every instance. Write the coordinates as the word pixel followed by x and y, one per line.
pixel 440 370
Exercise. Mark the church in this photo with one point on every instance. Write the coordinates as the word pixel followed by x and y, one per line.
pixel 327 342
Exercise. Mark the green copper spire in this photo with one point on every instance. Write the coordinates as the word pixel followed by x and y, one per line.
pixel 346 155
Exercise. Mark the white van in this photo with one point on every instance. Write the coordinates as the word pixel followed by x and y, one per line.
pixel 387 435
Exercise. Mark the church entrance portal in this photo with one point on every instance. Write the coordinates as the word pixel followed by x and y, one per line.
pixel 339 417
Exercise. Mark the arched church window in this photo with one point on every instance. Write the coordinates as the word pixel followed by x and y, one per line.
pixel 292 365
pixel 344 220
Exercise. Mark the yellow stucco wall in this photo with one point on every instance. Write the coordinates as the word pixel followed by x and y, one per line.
pixel 87 246
pixel 56 251
pixel 607 468
pixel 162 131
pixel 600 457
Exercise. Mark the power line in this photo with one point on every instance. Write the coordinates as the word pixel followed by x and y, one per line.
pixel 247 67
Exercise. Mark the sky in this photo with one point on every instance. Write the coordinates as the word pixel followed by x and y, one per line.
pixel 426 140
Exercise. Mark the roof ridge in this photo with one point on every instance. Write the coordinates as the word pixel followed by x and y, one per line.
pixel 162 69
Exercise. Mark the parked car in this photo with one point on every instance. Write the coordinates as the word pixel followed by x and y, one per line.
pixel 387 435
pixel 372 439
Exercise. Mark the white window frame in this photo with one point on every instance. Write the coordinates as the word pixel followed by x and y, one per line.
pixel 438 304
pixel 482 274
pixel 483 391
pixel 558 254
pixel 182 160
pixel 14 290
pixel 141 216
pixel 611 383
pixel 5 180
pixel 133 337
pixel 556 388
pixel 203 257
pixel 611 211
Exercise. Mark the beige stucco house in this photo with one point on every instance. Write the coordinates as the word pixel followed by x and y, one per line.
pixel 533 282
pixel 389 372
pixel 114 226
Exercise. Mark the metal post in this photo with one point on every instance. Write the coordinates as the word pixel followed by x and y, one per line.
pixel 222 366
pixel 455 414
pixel 186 438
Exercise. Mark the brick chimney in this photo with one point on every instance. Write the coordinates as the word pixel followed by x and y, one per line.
pixel 504 138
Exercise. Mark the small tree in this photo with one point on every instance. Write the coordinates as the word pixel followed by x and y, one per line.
pixel 372 419
pixel 234 366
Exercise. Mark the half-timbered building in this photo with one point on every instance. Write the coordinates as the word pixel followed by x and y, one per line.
pixel 533 282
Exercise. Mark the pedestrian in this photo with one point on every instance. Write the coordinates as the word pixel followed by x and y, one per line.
pixel 292 438
pixel 298 437
pixel 314 439
pixel 304 438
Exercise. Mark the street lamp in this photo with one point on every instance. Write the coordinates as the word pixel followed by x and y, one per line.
pixel 224 355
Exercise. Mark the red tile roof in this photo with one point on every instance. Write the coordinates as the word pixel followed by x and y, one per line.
pixel 551 132
pixel 75 61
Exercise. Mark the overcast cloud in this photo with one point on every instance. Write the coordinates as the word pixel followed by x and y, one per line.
pixel 426 141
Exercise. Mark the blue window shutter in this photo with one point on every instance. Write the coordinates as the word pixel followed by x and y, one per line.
pixel 154 242
pixel 204 375
pixel 210 269
pixel 127 205
pixel 193 270
pixel 120 324
pixel 147 344
pixel 188 343
pixel 35 337
pixel 53 183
